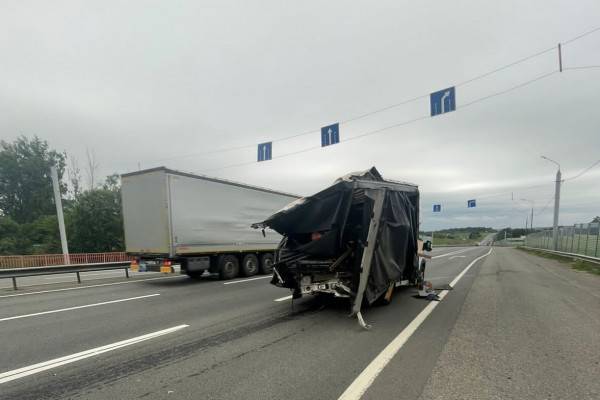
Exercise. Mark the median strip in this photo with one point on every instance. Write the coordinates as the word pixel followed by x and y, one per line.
pixel 78 307
pixel 57 362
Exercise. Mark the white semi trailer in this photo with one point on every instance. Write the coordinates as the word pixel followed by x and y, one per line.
pixel 198 222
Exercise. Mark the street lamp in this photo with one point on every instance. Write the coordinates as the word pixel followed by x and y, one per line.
pixel 556 202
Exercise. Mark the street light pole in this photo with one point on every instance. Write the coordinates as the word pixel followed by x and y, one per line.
pixel 59 215
pixel 556 203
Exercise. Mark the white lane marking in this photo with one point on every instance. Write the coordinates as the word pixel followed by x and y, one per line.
pixel 284 298
pixel 453 257
pixel 78 307
pixel 89 286
pixel 247 280
pixel 370 373
pixel 454 252
pixel 57 362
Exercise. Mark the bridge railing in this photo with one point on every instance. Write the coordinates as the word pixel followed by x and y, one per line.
pixel 44 260
pixel 581 239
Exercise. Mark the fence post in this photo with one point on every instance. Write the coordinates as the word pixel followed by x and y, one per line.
pixel 572 237
pixel 597 237
pixel 587 237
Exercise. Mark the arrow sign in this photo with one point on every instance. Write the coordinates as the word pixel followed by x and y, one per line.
pixel 330 134
pixel 471 203
pixel 437 208
pixel 443 101
pixel 264 151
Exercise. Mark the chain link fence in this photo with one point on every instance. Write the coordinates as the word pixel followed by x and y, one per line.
pixel 581 239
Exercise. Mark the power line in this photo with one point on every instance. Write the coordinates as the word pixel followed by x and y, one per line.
pixel 401 103
pixel 584 171
pixel 400 124
pixel 582 67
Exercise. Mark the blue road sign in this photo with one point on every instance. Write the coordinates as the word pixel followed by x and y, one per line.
pixel 264 151
pixel 437 208
pixel 471 203
pixel 330 134
pixel 443 101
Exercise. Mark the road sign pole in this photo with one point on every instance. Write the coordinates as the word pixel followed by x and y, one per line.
pixel 560 68
pixel 59 215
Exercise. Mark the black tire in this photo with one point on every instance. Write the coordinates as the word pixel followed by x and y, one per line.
pixel 249 265
pixel 229 266
pixel 266 263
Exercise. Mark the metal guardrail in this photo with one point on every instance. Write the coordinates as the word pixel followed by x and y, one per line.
pixel 595 260
pixel 15 273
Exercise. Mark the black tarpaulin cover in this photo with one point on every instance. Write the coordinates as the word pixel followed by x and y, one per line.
pixel 334 213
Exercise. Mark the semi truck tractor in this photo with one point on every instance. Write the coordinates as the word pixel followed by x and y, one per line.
pixel 198 222
pixel 357 239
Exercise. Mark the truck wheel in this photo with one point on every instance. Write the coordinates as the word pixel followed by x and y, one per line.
pixel 250 265
pixel 266 263
pixel 229 266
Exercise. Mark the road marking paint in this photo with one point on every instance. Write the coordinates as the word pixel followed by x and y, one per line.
pixel 247 280
pixel 366 378
pixel 57 362
pixel 454 252
pixel 284 298
pixel 88 286
pixel 78 307
pixel 453 257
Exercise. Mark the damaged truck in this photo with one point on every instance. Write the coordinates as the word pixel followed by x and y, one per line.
pixel 357 239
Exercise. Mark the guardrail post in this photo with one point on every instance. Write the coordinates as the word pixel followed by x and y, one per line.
pixel 14 283
pixel 127 272
pixel 78 277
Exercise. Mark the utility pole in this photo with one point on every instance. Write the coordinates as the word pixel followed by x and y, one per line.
pixel 556 203
pixel 531 219
pixel 59 215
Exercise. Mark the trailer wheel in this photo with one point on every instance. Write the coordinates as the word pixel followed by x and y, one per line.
pixel 250 265
pixel 266 263
pixel 229 266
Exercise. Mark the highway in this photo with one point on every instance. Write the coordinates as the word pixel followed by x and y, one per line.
pixel 514 326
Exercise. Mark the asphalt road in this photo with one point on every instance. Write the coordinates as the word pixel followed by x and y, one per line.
pixel 515 326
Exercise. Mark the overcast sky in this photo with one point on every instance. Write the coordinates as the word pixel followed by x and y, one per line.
pixel 153 83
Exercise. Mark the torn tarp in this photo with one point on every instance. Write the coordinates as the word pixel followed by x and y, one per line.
pixel 319 229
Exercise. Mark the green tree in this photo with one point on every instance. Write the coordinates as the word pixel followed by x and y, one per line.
pixel 96 222
pixel 25 183
pixel 9 236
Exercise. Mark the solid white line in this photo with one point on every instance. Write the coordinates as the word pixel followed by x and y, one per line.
pixel 368 375
pixel 284 298
pixel 43 366
pixel 247 280
pixel 88 286
pixel 454 252
pixel 78 307
pixel 453 257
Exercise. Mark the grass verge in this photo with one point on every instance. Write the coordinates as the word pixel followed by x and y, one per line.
pixel 574 263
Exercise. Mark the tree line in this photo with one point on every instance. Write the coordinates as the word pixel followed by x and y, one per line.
pixel 28 222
